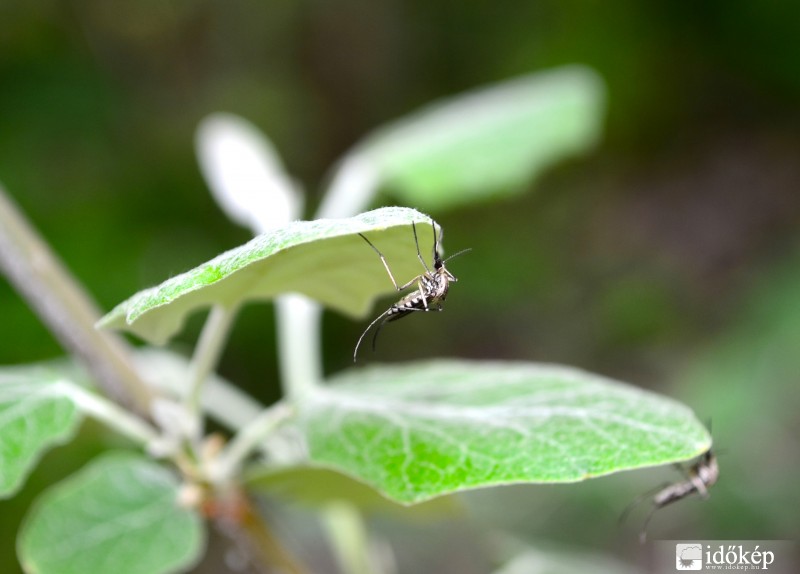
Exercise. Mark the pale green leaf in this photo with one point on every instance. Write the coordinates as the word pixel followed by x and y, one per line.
pixel 421 430
pixel 34 416
pixel 245 174
pixel 324 259
pixel 489 141
pixel 119 514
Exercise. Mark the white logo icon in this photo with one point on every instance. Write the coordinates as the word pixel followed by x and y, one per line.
pixel 688 556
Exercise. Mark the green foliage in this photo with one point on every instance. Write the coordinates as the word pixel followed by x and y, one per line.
pixel 119 514
pixel 100 110
pixel 409 433
pixel 425 429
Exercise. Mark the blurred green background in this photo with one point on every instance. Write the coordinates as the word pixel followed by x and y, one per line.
pixel 669 257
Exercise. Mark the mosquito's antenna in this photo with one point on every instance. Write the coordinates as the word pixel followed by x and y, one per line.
pixel 416 241
pixel 457 253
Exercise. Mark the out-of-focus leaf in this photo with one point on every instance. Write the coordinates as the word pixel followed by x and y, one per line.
pixel 422 430
pixel 34 416
pixel 323 259
pixel 119 514
pixel 245 173
pixel 487 142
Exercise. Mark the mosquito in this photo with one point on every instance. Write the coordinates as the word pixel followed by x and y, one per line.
pixel 701 476
pixel 431 291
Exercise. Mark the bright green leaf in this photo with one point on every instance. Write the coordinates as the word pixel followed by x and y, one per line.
pixel 489 141
pixel 426 429
pixel 34 416
pixel 324 259
pixel 119 514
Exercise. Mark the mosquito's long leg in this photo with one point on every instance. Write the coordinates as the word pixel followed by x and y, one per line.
pixel 699 485
pixel 361 338
pixel 375 336
pixel 691 475
pixel 383 316
pixel 380 326
pixel 638 500
pixel 416 241
pixel 410 283
pixel 386 266
pixel 643 533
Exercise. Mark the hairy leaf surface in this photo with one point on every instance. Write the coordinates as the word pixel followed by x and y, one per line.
pixel 324 259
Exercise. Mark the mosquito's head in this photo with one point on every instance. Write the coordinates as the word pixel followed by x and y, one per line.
pixel 708 469
pixel 438 262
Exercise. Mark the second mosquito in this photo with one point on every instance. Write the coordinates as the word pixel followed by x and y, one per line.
pixel 431 291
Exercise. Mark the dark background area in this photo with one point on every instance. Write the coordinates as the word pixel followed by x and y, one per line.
pixel 669 257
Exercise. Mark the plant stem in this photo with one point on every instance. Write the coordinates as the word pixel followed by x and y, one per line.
pixel 349 538
pixel 299 345
pixel 65 307
pixel 351 190
pixel 298 317
pixel 107 412
pixel 207 353
pixel 250 437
